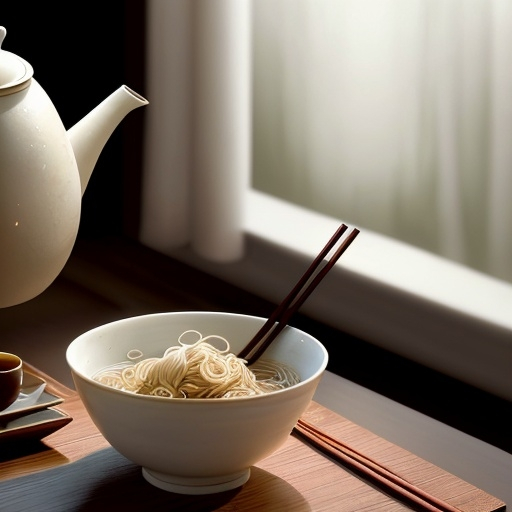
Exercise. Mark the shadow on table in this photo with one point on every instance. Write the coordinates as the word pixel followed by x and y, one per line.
pixel 15 449
pixel 106 480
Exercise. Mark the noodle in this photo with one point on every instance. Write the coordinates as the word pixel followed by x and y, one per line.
pixel 197 370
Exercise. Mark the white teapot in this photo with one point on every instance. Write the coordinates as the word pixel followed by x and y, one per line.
pixel 44 170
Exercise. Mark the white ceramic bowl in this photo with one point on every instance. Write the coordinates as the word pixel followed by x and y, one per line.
pixel 193 446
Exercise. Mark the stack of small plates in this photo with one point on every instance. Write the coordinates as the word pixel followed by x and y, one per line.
pixel 32 416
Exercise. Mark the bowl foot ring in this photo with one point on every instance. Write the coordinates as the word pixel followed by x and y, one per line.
pixel 196 486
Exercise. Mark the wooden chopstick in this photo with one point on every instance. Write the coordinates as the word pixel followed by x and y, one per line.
pixel 298 295
pixel 371 470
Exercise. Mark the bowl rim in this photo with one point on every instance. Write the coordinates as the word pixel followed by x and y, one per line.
pixel 231 400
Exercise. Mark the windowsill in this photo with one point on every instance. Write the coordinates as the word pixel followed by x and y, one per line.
pixel 428 309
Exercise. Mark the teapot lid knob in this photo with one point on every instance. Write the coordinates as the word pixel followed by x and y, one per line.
pixel 15 72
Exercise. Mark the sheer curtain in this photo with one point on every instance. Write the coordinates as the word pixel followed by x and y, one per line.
pixel 395 115
pixel 197 146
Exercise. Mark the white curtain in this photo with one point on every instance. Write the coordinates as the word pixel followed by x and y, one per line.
pixel 198 130
pixel 395 115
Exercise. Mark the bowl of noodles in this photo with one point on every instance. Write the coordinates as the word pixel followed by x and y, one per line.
pixel 167 392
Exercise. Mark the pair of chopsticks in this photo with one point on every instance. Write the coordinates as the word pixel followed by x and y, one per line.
pixel 371 470
pixel 300 292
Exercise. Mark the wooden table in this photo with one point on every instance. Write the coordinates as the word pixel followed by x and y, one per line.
pixel 296 477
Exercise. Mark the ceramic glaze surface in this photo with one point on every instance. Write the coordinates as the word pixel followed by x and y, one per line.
pixel 11 377
pixel 193 446
pixel 44 170
pixel 40 195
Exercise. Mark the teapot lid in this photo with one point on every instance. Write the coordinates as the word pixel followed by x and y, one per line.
pixel 15 72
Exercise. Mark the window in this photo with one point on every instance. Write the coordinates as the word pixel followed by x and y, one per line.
pixel 394 115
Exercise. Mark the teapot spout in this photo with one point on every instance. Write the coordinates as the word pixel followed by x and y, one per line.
pixel 90 134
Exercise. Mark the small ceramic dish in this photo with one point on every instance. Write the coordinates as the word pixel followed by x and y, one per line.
pixel 33 426
pixel 32 397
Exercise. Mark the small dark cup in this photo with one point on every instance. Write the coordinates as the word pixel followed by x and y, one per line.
pixel 11 376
